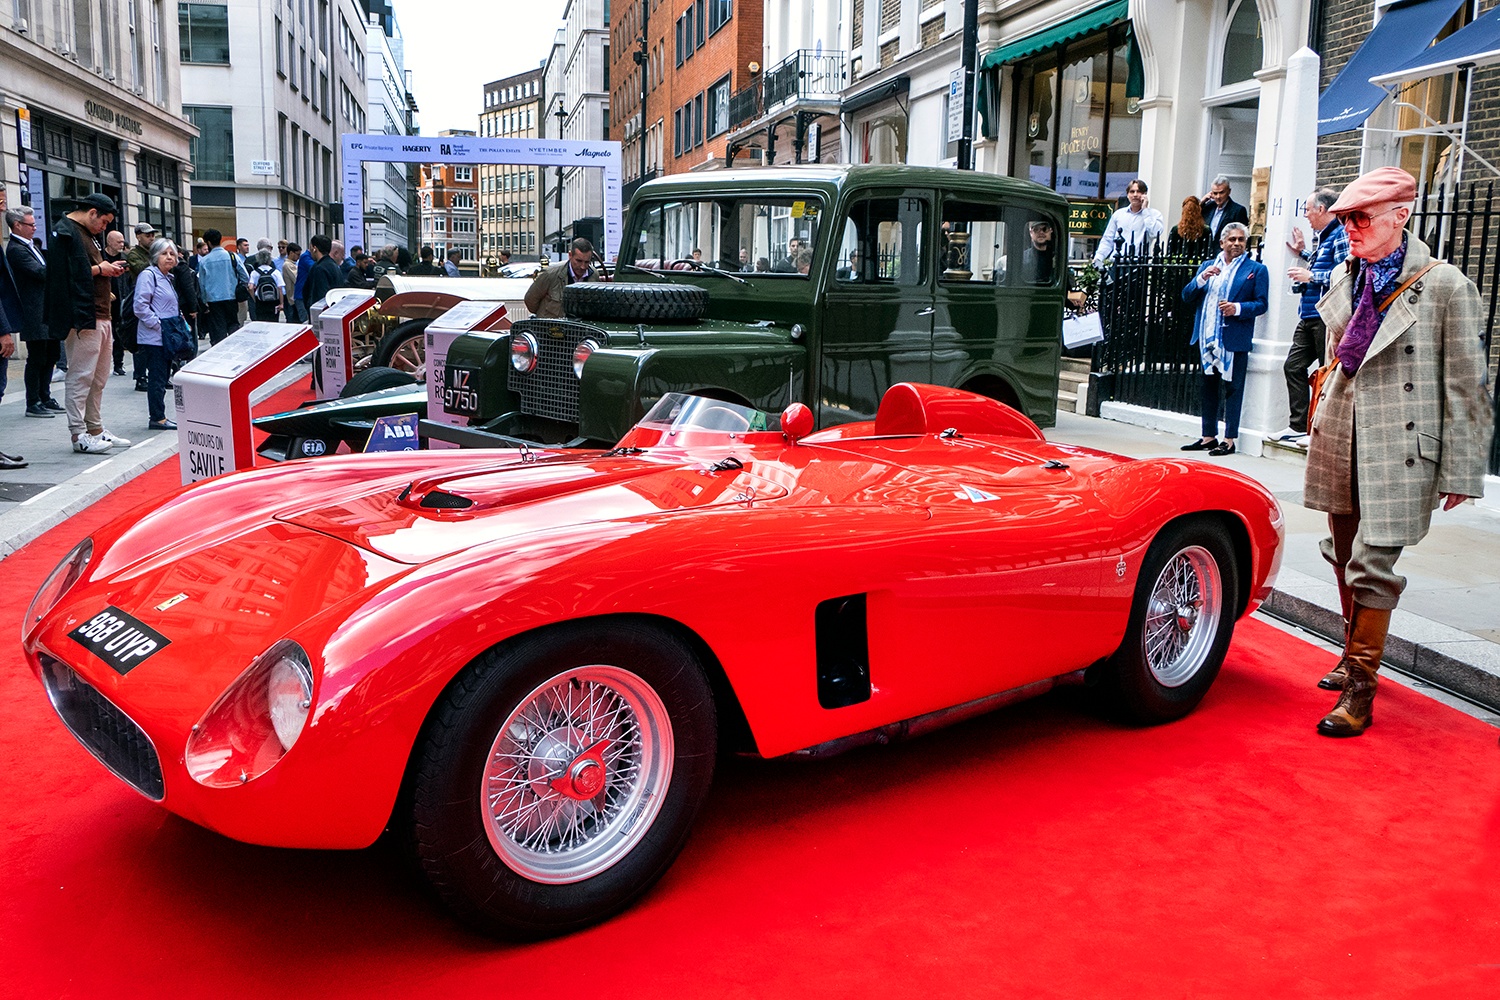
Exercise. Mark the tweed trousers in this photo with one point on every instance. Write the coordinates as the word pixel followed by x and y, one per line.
pixel 1369 571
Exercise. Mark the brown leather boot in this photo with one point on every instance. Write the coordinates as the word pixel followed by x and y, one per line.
pixel 1334 679
pixel 1355 710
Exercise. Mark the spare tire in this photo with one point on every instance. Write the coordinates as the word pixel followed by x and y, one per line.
pixel 373 379
pixel 635 301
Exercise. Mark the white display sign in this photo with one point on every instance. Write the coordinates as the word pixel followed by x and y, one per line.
pixel 956 105
pixel 335 324
pixel 440 334
pixel 212 395
pixel 263 168
pixel 468 149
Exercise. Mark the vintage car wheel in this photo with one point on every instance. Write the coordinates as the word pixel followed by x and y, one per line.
pixel 559 775
pixel 404 348
pixel 635 301
pixel 374 379
pixel 1181 621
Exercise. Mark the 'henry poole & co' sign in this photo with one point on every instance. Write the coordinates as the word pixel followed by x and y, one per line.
pixel 110 116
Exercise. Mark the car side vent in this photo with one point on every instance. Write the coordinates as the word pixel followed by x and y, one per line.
pixel 441 500
pixel 843 652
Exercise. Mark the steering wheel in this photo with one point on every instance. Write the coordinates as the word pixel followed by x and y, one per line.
pixel 683 264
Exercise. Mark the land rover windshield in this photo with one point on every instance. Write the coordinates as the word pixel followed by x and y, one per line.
pixel 772 236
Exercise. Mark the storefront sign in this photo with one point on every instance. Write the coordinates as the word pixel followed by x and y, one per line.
pixel 23 124
pixel 109 116
pixel 1089 218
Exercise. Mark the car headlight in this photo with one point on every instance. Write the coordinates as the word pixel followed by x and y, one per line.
pixel 66 573
pixel 581 354
pixel 523 351
pixel 255 721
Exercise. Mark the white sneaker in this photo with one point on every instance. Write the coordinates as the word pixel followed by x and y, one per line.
pixel 90 445
pixel 1285 434
pixel 113 440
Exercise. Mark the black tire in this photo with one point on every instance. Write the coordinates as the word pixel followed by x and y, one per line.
pixel 635 302
pixel 456 837
pixel 399 342
pixel 1147 687
pixel 373 379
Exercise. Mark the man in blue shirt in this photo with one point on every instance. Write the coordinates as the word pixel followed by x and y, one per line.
pixel 1313 275
pixel 220 273
pixel 304 268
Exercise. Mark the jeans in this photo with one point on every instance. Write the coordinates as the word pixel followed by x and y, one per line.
pixel 158 367
pixel 89 358
pixel 1234 395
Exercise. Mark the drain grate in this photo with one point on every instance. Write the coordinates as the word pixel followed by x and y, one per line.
pixel 21 492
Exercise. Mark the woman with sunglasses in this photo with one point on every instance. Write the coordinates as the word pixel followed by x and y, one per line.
pixel 1402 423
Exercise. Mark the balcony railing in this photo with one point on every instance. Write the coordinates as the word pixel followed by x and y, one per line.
pixel 744 106
pixel 806 75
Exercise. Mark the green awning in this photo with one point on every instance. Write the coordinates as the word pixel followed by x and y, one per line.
pixel 1084 24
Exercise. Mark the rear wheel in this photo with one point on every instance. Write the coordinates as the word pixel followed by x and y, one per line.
pixel 559 776
pixel 374 379
pixel 404 348
pixel 1181 621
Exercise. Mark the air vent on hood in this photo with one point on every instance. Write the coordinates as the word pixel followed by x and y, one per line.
pixel 442 500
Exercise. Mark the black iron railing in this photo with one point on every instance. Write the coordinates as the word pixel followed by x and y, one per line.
pixel 1147 357
pixel 806 74
pixel 1464 229
pixel 744 105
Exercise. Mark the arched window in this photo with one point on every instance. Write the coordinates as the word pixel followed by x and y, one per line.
pixel 1242 43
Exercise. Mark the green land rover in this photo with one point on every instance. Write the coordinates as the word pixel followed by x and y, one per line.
pixel 824 284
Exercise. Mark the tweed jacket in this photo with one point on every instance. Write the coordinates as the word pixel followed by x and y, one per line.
pixel 1417 409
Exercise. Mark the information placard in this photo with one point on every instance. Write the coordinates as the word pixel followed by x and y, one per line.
pixel 335 325
pixel 212 395
pixel 463 318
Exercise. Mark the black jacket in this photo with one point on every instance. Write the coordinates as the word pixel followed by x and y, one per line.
pixel 185 281
pixel 325 276
pixel 10 303
pixel 70 282
pixel 30 276
pixel 1233 212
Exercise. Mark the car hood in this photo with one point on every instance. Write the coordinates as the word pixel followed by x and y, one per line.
pixel 417 520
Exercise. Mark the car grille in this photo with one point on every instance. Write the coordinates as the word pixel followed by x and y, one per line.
pixel 551 389
pixel 104 730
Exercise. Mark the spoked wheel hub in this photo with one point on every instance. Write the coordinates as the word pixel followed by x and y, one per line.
pixel 1182 616
pixel 577 774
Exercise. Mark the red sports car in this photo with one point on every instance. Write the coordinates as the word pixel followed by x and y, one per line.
pixel 527 664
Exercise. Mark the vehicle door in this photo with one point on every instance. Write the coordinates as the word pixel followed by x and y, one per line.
pixel 876 323
pixel 997 301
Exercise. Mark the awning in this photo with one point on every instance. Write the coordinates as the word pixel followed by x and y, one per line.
pixel 1478 44
pixel 1086 23
pixel 1401 36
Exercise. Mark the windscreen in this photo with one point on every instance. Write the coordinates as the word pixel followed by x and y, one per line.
pixel 749 234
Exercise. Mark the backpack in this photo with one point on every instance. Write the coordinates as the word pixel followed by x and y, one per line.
pixel 265 283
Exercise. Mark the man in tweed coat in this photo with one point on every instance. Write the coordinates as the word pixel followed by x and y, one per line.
pixel 1402 423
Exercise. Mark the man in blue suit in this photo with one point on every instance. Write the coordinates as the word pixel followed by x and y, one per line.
pixel 1230 292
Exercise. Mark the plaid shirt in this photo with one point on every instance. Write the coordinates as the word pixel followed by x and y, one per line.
pixel 1333 250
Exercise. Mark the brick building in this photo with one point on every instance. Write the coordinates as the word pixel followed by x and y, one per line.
pixel 447 200
pixel 510 196
pixel 698 56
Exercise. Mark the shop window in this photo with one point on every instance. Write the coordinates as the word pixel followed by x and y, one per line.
pixel 883 242
pixel 885 139
pixel 203 32
pixel 1242 43
pixel 213 149
pixel 1080 129
pixel 1428 113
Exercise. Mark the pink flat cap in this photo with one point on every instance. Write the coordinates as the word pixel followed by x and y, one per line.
pixel 1383 186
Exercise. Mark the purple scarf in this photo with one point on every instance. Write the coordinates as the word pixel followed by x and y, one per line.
pixel 1365 323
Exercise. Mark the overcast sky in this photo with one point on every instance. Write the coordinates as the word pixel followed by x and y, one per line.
pixel 455 47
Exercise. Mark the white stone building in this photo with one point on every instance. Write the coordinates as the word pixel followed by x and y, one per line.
pixel 390 188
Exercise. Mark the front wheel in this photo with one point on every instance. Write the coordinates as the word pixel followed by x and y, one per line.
pixel 1181 620
pixel 560 775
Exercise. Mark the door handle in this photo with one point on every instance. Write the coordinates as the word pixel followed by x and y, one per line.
pixel 927 312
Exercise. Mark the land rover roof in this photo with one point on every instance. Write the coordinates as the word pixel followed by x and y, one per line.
pixel 829 180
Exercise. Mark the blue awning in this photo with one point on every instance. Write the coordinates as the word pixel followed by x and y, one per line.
pixel 1478 44
pixel 1401 36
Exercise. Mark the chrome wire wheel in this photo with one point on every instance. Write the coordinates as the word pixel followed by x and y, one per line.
pixel 577 774
pixel 1182 616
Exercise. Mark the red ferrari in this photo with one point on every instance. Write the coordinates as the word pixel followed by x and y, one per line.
pixel 526 665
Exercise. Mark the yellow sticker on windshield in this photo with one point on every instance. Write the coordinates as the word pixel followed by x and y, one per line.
pixel 799 208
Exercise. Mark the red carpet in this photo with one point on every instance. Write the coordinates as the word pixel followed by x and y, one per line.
pixel 1037 852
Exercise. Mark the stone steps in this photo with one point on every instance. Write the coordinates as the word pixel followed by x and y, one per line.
pixel 1072 384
